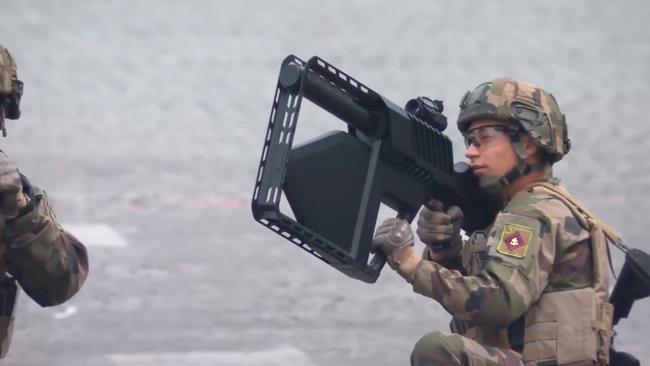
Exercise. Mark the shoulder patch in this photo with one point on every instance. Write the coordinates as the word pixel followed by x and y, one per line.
pixel 515 240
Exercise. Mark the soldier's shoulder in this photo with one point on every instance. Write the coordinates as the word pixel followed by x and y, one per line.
pixel 539 202
pixel 546 209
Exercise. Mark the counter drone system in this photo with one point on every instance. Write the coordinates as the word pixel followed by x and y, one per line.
pixel 336 183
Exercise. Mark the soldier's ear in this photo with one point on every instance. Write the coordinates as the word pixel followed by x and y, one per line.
pixel 530 147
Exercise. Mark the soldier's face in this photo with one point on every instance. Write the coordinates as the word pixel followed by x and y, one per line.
pixel 494 156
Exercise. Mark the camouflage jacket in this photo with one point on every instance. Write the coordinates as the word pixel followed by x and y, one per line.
pixel 534 246
pixel 48 263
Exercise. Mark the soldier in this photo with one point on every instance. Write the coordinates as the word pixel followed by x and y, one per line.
pixel 49 264
pixel 531 288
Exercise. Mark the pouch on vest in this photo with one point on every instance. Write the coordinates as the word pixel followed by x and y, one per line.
pixel 474 252
pixel 561 333
pixel 473 258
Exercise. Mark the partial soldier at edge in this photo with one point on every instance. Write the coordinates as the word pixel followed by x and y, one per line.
pixel 48 263
pixel 533 287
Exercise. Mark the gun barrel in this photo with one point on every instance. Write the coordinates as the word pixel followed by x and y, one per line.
pixel 328 96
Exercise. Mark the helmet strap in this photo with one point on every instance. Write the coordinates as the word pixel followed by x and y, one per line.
pixel 522 168
pixel 520 150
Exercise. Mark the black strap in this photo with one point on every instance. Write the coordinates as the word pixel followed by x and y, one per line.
pixel 516 331
pixel 8 292
pixel 514 174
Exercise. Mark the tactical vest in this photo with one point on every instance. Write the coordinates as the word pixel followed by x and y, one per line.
pixel 564 327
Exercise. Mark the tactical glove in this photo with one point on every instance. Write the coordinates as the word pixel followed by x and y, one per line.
pixel 394 237
pixel 12 198
pixel 439 230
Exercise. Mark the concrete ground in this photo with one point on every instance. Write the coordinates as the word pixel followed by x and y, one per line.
pixel 145 121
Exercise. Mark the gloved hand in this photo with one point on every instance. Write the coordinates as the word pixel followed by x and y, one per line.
pixel 439 230
pixel 394 237
pixel 12 198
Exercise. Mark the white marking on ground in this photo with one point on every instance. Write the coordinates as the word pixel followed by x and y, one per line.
pixel 96 235
pixel 68 311
pixel 283 356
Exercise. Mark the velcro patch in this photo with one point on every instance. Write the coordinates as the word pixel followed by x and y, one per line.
pixel 515 240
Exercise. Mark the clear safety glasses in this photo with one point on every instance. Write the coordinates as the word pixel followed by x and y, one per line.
pixel 484 134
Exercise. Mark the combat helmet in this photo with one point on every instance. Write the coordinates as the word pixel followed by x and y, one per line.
pixel 11 89
pixel 533 109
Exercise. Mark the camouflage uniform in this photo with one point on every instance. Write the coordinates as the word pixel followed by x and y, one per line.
pixel 532 288
pixel 536 246
pixel 35 251
pixel 49 263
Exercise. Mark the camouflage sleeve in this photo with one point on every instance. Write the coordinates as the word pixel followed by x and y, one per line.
pixel 50 264
pixel 521 255
pixel 454 262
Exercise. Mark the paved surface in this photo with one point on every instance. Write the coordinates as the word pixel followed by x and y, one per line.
pixel 144 120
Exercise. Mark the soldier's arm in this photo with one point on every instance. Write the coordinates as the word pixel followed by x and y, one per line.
pixel 511 280
pixel 452 262
pixel 50 264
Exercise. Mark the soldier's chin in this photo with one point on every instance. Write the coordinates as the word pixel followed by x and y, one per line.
pixel 491 185
pixel 480 172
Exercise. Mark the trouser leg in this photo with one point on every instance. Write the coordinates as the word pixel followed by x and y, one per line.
pixel 442 348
